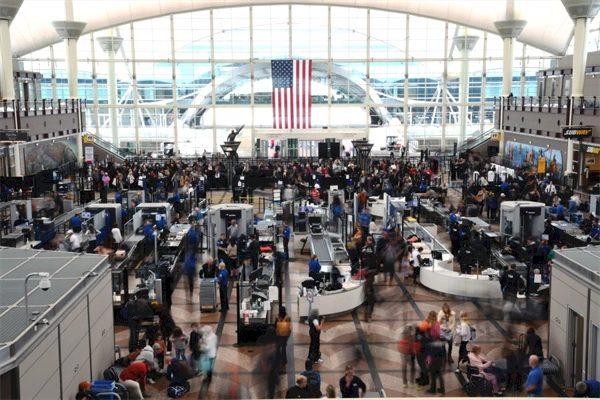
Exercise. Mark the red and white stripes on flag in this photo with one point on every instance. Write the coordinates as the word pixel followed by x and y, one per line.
pixel 291 99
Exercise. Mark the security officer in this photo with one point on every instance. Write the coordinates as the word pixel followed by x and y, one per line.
pixel 222 248
pixel 287 232
pixel 454 233
pixel 222 280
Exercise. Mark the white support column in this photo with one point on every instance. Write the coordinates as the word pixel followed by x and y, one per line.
pixel 406 70
pixel 464 42
pixel 53 73
pixel 581 11
pixel 8 11
pixel 136 94
pixel 70 31
pixel 252 108
pixel 212 82
pixel 368 77
pixel 96 116
pixel 329 62
pixel 17 159
pixel 444 89
pixel 579 56
pixel 174 88
pixel 483 84
pixel 509 30
pixel 7 88
pixel 523 71
pixel 111 44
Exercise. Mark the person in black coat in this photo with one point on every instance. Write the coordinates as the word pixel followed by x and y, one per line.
pixel 299 391
pixel 254 251
pixel 533 344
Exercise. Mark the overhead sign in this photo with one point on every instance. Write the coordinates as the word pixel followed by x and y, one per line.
pixel 15 136
pixel 88 138
pixel 496 136
pixel 577 132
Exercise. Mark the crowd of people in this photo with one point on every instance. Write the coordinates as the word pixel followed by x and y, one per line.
pixel 430 343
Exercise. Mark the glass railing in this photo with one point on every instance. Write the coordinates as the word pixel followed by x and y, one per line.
pixel 108 146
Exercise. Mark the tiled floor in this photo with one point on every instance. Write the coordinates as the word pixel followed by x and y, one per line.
pixel 347 340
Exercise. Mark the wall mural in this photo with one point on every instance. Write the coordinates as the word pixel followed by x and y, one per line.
pixel 49 154
pixel 526 155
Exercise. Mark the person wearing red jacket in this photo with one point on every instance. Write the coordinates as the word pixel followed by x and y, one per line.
pixel 134 379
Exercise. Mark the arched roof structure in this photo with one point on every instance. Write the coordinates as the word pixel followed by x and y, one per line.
pixel 549 26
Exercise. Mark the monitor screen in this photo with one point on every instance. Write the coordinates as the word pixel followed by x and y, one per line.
pixel 86 215
pixel 161 217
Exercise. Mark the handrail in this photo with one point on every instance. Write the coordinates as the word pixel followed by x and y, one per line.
pixel 476 141
pixel 108 146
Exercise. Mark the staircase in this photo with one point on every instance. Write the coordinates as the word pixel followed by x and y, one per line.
pixel 105 150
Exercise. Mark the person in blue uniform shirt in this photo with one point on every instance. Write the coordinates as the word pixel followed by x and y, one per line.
pixel 149 230
pixel 314 268
pixel 76 223
pixel 561 212
pixel 287 232
pixel 193 240
pixel 595 231
pixel 222 248
pixel 118 197
pixel 589 388
pixel 175 199
pixel 222 280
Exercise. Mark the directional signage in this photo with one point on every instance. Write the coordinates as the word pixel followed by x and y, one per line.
pixel 15 136
pixel 577 132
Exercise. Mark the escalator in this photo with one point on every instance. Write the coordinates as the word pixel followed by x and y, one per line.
pixel 105 150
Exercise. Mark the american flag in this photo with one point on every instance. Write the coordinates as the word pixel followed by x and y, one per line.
pixel 291 93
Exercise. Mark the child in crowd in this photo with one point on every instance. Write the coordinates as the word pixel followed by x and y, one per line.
pixel 179 341
pixel 160 348
pixel 195 341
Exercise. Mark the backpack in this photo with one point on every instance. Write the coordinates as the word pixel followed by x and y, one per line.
pixel 110 374
pixel 283 327
pixel 176 390
pixel 312 383
pixel 185 370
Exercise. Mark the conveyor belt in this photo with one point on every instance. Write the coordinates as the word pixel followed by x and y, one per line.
pixel 319 245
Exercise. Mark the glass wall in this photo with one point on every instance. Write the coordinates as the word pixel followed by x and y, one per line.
pixel 192 77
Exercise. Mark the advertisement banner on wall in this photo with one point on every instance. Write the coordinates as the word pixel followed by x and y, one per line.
pixel 592 158
pixel 89 154
pixel 49 154
pixel 526 155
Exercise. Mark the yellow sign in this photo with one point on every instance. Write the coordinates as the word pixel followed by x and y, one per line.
pixel 88 138
pixel 593 150
pixel 496 136
pixel 541 167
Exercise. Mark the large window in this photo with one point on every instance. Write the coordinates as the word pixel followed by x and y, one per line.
pixel 200 73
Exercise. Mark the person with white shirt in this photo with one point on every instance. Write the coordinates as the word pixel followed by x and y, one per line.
pixel 373 228
pixel 491 176
pixel 116 232
pixel 550 189
pixel 73 241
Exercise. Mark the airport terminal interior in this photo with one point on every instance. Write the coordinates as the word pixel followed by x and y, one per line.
pixel 278 199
